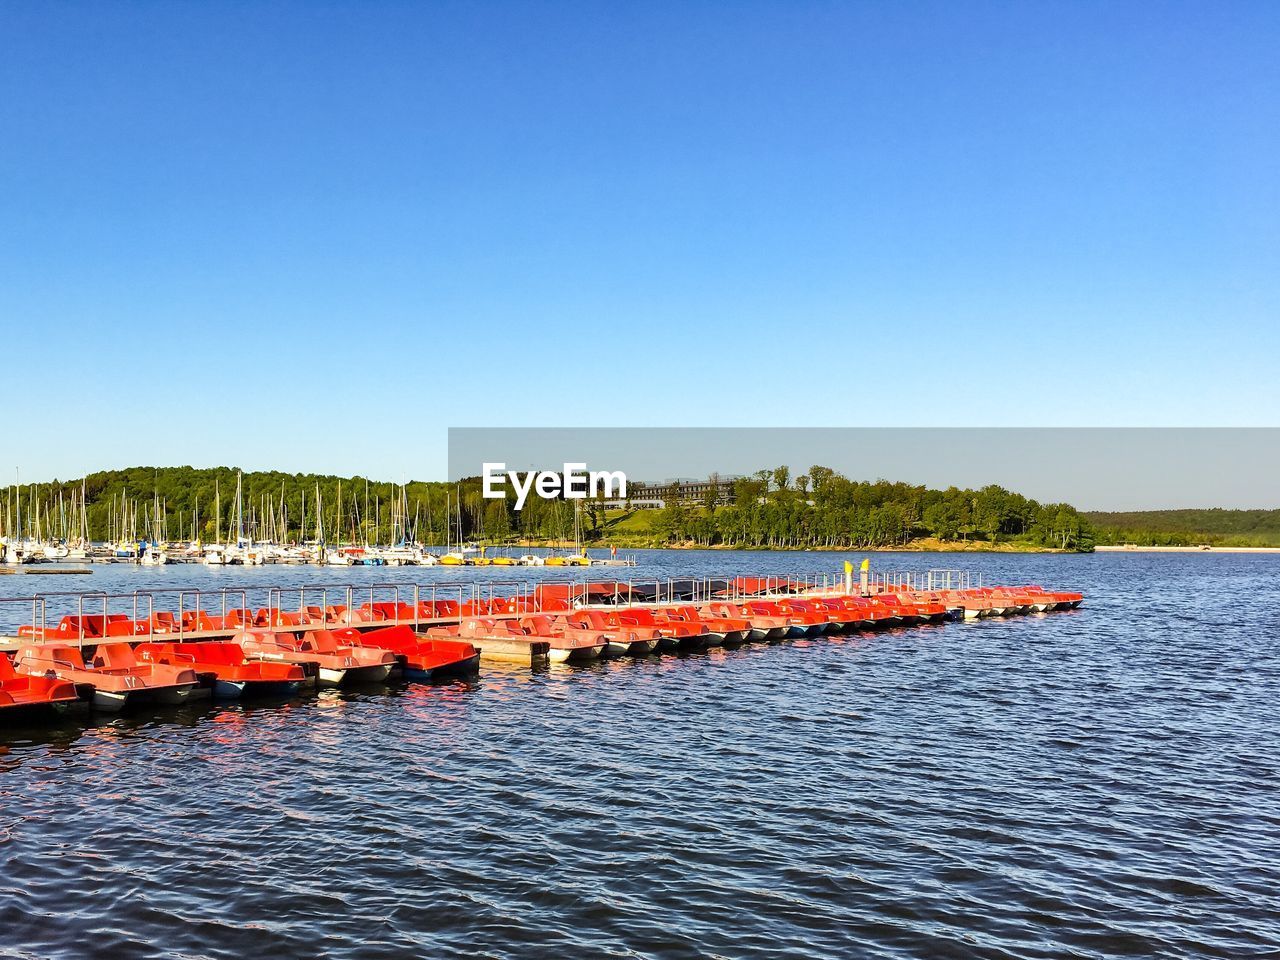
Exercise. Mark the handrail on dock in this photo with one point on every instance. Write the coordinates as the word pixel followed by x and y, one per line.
pixel 527 596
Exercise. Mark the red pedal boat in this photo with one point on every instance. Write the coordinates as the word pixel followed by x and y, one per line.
pixel 675 632
pixel 620 638
pixel 420 658
pixel 565 641
pixel 224 662
pixel 800 623
pixel 335 661
pixel 730 631
pixel 763 626
pixel 29 692
pixel 114 673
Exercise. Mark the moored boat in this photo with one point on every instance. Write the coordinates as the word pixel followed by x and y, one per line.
pixel 621 639
pixel 153 556
pixel 730 631
pixel 214 555
pixel 27 692
pixel 763 626
pixel 559 642
pixel 674 633
pixel 336 663
pixel 224 664
pixel 568 642
pixel 114 674
pixel 800 623
pixel 418 658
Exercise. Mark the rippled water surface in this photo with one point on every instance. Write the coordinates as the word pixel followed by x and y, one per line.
pixel 1088 784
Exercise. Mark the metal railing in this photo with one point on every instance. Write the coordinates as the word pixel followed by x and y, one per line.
pixel 177 612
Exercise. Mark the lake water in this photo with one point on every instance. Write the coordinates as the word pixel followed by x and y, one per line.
pixel 1096 783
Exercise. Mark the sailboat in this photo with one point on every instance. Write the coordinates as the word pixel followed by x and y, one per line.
pixel 78 549
pixel 153 553
pixel 338 555
pixel 454 557
pixel 318 554
pixel 243 552
pixel 578 559
pixel 215 555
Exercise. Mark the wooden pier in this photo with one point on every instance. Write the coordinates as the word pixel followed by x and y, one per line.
pixel 37 570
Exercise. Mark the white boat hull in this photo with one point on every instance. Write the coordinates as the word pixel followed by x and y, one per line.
pixel 374 673
pixel 331 678
pixel 579 654
pixel 228 689
pixel 109 701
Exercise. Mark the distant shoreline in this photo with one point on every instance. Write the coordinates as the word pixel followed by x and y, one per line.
pixel 920 545
pixel 1130 548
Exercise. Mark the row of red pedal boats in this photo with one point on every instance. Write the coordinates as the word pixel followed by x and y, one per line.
pixel 276 652
pixel 264 662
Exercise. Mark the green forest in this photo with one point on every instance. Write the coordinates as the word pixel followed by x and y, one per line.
pixel 770 509
pixel 181 503
pixel 823 509
pixel 1189 528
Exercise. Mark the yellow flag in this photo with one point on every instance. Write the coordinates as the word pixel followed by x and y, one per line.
pixel 848 566
pixel 866 565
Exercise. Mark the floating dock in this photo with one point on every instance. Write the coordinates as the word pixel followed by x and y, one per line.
pixel 29 570
pixel 515 622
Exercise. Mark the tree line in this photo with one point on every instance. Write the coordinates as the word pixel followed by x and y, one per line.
pixel 199 503
pixel 1186 528
pixel 186 502
pixel 823 509
pixel 819 508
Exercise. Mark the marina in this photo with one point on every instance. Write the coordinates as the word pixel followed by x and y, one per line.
pixel 47 531
pixel 38 556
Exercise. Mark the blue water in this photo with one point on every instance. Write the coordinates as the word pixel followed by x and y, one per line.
pixel 1089 784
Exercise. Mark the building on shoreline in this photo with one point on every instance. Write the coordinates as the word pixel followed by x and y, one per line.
pixel 656 495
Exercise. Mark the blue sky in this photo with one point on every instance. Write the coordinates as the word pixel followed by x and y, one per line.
pixel 312 236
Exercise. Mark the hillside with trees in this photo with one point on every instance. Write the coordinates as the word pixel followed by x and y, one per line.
pixel 182 503
pixel 822 509
pixel 770 509
pixel 1189 528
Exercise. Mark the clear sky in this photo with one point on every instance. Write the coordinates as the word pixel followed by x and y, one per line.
pixel 312 236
